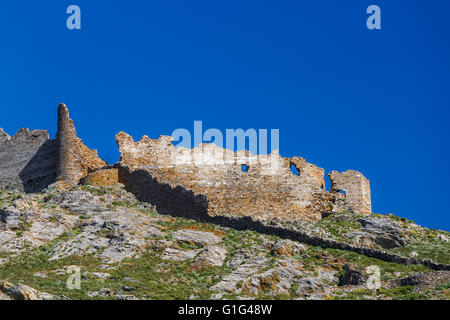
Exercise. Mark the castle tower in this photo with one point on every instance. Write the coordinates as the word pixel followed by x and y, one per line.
pixel 74 160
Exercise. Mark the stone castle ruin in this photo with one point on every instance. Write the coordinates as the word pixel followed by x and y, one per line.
pixel 30 161
pixel 205 180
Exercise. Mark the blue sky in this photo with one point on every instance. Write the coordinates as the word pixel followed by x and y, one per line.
pixel 344 97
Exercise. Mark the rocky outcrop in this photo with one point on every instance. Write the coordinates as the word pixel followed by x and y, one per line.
pixel 212 256
pixel 131 246
pixel 9 291
pixel 386 232
pixel 214 180
pixel 198 238
pixel 13 218
pixel 352 277
pixel 286 248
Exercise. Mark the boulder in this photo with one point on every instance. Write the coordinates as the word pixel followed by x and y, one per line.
pixel 213 256
pixel 12 218
pixel 352 277
pixel 22 292
pixel 200 238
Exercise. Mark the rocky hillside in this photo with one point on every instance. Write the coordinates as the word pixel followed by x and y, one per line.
pixel 124 249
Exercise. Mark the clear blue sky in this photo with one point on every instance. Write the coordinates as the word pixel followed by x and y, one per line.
pixel 343 97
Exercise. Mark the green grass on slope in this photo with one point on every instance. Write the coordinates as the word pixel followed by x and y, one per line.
pixel 155 278
pixel 423 241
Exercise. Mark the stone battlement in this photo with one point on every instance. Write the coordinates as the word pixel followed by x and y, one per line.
pixel 203 180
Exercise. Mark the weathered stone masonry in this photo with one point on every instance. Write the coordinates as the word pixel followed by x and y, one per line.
pixel 30 161
pixel 75 160
pixel 27 160
pixel 205 183
pixel 203 180
pixel 356 188
pixel 267 189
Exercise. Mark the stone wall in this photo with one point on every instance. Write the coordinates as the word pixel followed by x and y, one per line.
pixel 265 189
pixel 356 188
pixel 203 180
pixel 247 223
pixel 30 161
pixel 27 160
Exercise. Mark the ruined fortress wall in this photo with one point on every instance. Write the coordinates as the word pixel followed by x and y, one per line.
pixel 74 160
pixel 356 188
pixel 30 161
pixel 27 160
pixel 266 190
pixel 205 180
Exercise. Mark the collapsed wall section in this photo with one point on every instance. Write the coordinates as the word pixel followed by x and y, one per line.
pixel 232 183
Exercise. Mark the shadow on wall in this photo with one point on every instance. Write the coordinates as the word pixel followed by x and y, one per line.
pixel 181 202
pixel 175 201
pixel 40 171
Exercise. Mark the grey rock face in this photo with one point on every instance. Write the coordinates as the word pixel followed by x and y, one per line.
pixel 352 277
pixel 362 238
pixel 79 202
pixel 200 238
pixel 387 233
pixel 278 279
pixel 27 160
pixel 287 247
pixel 212 256
pixel 244 265
pixel 178 255
pixel 106 292
pixel 38 225
pixel 11 217
pixel 310 285
pixel 112 235
pixel 81 244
